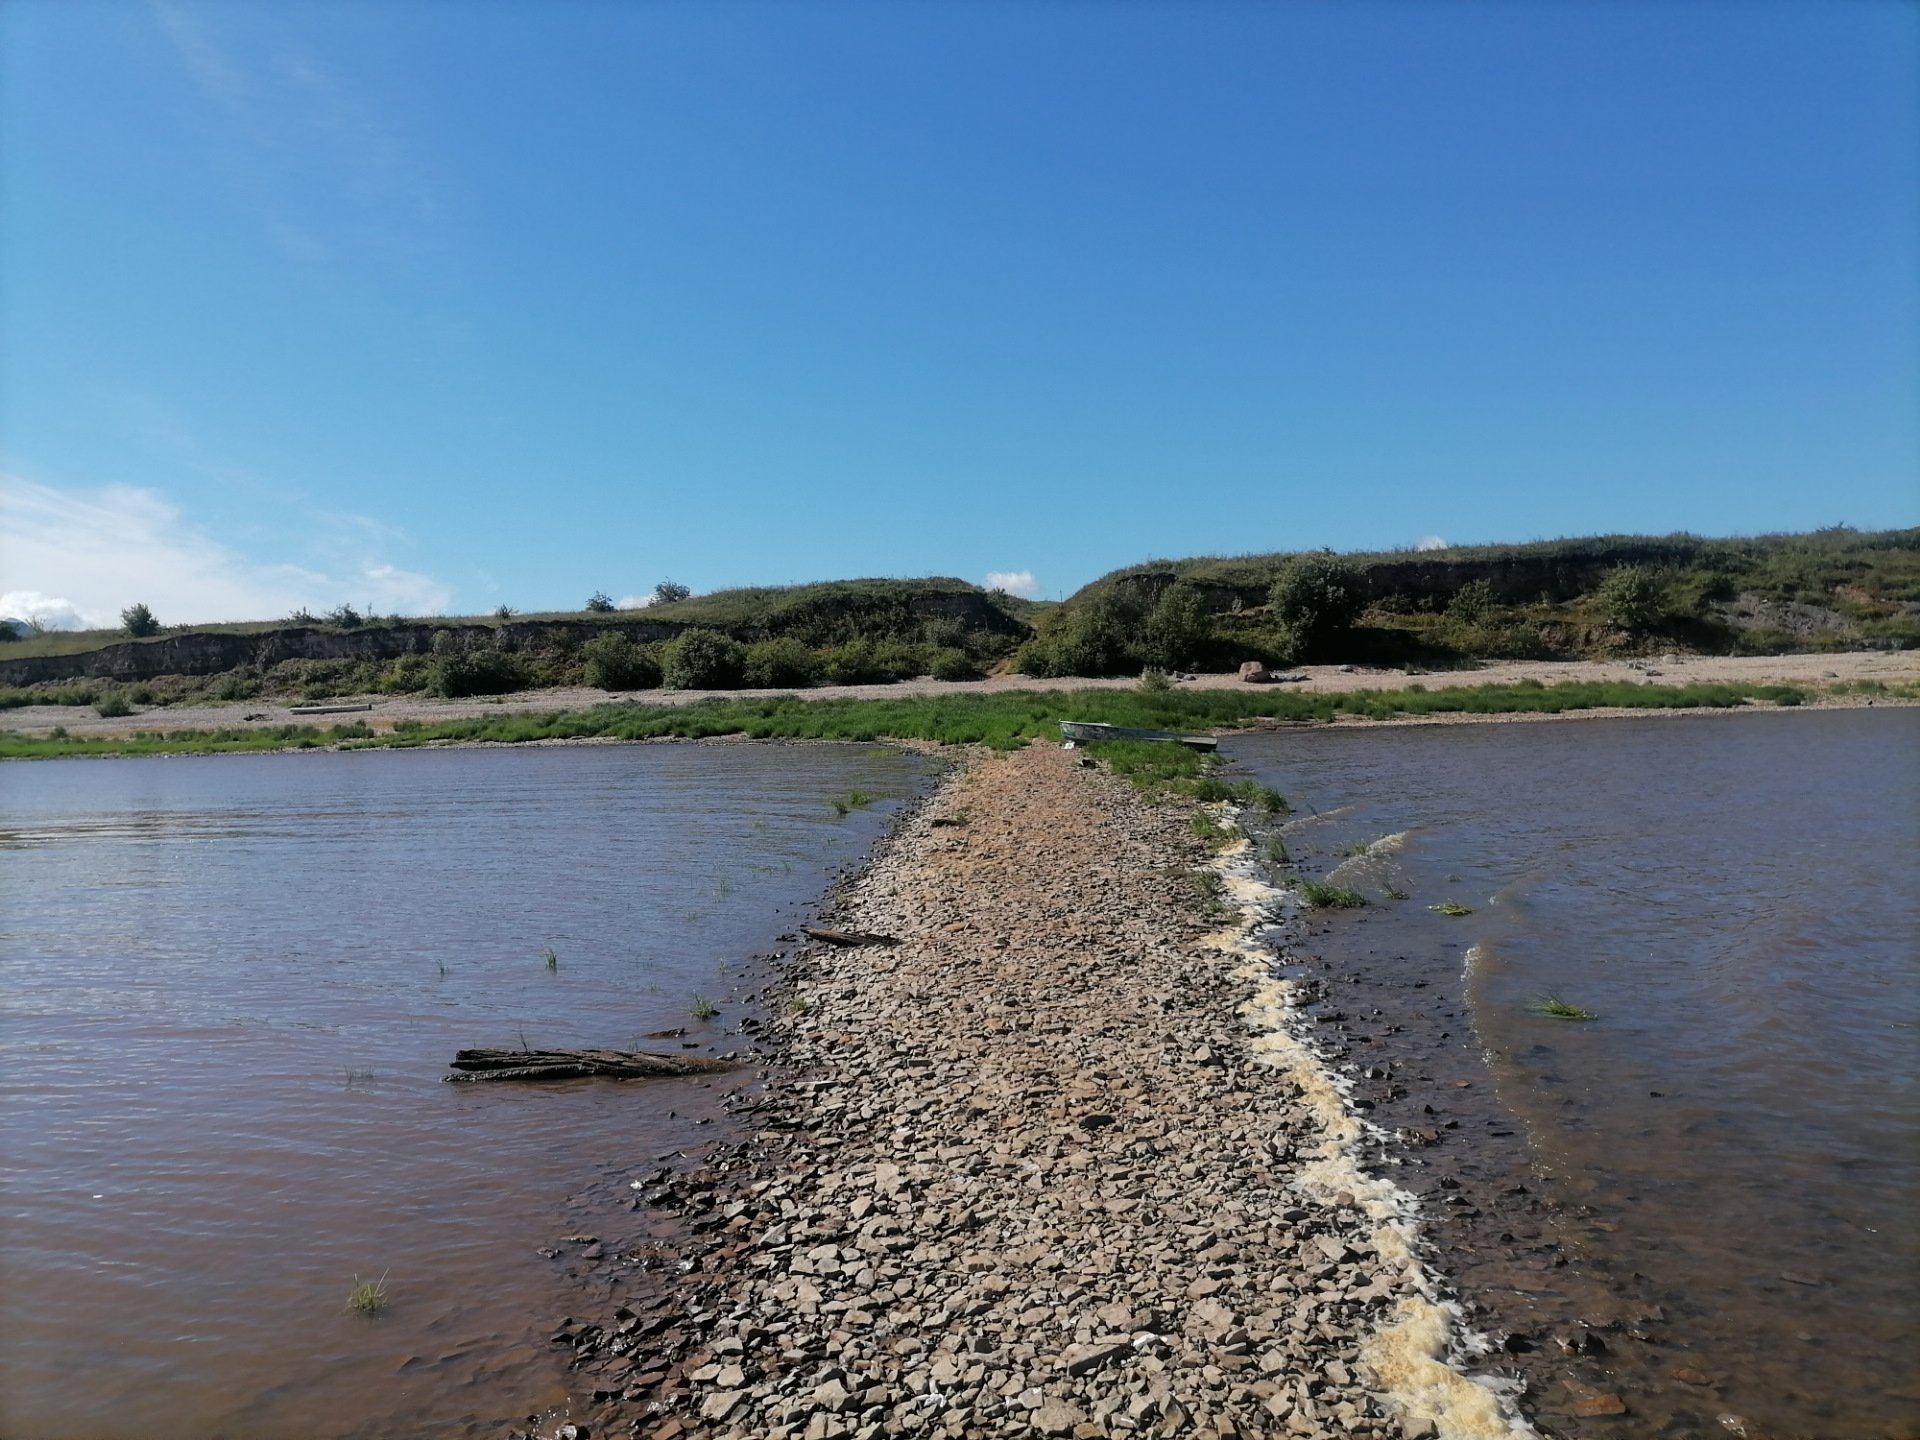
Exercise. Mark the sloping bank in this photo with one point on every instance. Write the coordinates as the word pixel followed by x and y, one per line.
pixel 1051 1164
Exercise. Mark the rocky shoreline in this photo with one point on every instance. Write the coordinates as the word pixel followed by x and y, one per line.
pixel 1054 1163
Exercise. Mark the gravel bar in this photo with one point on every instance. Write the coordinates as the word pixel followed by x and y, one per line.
pixel 1055 1163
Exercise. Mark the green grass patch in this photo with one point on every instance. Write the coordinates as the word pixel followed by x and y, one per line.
pixel 851 801
pixel 1558 1009
pixel 368 1297
pixel 1210 830
pixel 1004 721
pixel 702 1008
pixel 1451 907
pixel 1318 895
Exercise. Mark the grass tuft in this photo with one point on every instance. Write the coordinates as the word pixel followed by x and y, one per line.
pixel 1318 895
pixel 1451 907
pixel 552 959
pixel 703 1008
pixel 852 800
pixel 1276 851
pixel 368 1297
pixel 1559 1009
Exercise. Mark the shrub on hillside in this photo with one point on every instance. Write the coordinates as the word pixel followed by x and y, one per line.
pixel 463 665
pixel 1316 598
pixel 614 662
pixel 600 603
pixel 1632 597
pixel 868 662
pixel 780 664
pixel 1178 629
pixel 1096 638
pixel 138 621
pixel 702 660
pixel 112 706
pixel 668 591
pixel 1472 603
pixel 952 663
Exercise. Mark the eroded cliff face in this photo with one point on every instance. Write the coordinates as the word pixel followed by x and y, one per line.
pixel 213 652
pixel 1516 580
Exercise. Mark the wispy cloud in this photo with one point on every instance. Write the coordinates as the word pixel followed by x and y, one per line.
pixel 1014 582
pixel 1430 542
pixel 317 160
pixel 104 549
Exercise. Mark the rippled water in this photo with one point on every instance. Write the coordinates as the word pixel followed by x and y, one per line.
pixel 231 987
pixel 1734 1141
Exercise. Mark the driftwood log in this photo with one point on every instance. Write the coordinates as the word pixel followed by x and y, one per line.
pixel 847 937
pixel 470 1065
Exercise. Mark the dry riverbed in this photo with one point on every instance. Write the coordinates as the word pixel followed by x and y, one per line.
pixel 1052 1164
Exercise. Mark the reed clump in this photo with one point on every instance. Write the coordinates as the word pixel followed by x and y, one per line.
pixel 1556 1008
pixel 1319 895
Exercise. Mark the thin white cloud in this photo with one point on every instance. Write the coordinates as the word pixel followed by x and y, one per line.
pixel 49 612
pixel 1430 542
pixel 313 155
pixel 1014 582
pixel 109 547
pixel 633 602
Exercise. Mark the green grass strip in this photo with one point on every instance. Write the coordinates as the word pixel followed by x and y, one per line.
pixel 1004 721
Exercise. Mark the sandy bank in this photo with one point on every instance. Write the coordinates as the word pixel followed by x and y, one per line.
pixel 1046 1166
pixel 1812 671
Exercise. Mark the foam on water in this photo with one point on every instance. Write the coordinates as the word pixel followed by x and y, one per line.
pixel 1419 1353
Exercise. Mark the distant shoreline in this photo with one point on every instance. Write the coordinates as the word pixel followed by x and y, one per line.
pixel 1818 674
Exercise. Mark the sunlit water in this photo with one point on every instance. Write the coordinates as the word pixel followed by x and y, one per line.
pixel 1735 899
pixel 231 988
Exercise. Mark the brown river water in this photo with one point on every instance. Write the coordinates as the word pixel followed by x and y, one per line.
pixel 1706 1200
pixel 230 987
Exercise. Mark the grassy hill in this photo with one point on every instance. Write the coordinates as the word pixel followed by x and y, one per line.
pixel 1835 589
pixel 782 636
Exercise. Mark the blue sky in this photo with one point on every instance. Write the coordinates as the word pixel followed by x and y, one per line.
pixel 438 306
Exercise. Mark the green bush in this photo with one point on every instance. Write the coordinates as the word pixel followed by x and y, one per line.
pixel 1317 598
pixel 1096 638
pixel 782 664
pixel 1632 597
pixel 138 621
pixel 614 662
pixel 1178 629
pixel 1472 603
pixel 112 706
pixel 952 663
pixel 600 603
pixel 702 660
pixel 464 665
pixel 866 662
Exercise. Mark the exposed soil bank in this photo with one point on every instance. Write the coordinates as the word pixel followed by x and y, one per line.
pixel 1812 671
pixel 1049 1165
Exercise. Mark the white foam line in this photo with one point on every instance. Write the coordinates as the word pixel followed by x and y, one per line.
pixel 1415 1352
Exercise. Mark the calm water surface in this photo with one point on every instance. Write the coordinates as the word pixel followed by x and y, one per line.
pixel 1735 899
pixel 231 987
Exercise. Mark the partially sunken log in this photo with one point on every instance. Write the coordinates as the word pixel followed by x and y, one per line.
pixel 578 1065
pixel 847 937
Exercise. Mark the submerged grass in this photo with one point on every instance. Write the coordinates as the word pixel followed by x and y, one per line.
pixel 1318 895
pixel 368 1297
pixel 1004 721
pixel 1559 1009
